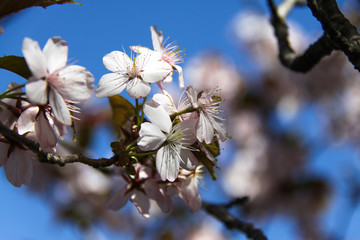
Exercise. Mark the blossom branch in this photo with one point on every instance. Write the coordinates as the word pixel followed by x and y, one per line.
pixel 220 211
pixel 343 35
pixel 52 158
pixel 302 63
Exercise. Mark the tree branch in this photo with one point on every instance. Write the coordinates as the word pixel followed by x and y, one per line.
pixel 302 63
pixel 52 158
pixel 220 211
pixel 338 28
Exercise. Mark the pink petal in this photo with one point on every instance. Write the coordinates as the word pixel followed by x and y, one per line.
pixel 34 58
pixel 192 96
pixel 44 132
pixel 153 191
pixel 37 92
pixel 118 200
pixel 75 83
pixel 141 202
pixel 111 84
pixel 220 128
pixel 204 129
pixel 189 193
pixel 117 61
pixel 153 68
pixel 137 88
pixel 19 168
pixel 150 138
pixel 59 107
pixel 56 53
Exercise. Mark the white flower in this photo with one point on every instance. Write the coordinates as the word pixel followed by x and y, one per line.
pixel 209 120
pixel 169 54
pixel 174 142
pixel 136 75
pixel 52 81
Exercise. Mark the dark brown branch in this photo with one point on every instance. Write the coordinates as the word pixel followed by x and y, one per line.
pixel 220 211
pixel 52 158
pixel 302 63
pixel 338 28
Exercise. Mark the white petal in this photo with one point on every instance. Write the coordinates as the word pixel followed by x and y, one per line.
pixel 189 193
pixel 153 68
pixel 150 138
pixel 158 115
pixel 111 84
pixel 137 88
pixel 167 163
pixel 118 200
pixel 26 121
pixel 204 129
pixel 192 96
pixel 220 128
pixel 117 61
pixel 59 107
pixel 56 53
pixel 169 78
pixel 19 168
pixel 44 132
pixel 153 191
pixel 181 76
pixel 188 128
pixel 74 83
pixel 166 101
pixel 139 49
pixel 188 160
pixel 37 92
pixel 141 202
pixel 157 38
pixel 34 58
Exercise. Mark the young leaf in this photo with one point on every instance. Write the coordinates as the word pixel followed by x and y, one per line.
pixel 16 65
pixel 122 111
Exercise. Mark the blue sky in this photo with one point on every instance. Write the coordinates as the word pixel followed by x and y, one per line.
pixel 93 30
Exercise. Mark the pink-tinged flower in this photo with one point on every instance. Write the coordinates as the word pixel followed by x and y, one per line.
pixel 40 121
pixel 9 114
pixel 52 81
pixel 188 188
pixel 169 54
pixel 209 122
pixel 139 190
pixel 174 141
pixel 17 162
pixel 136 76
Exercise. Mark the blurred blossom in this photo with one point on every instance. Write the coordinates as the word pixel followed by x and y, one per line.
pixel 288 107
pixel 245 126
pixel 254 32
pixel 208 230
pixel 211 70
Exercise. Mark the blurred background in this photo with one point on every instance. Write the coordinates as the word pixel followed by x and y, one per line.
pixel 294 147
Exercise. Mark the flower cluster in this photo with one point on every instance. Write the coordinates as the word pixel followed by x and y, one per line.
pixel 163 148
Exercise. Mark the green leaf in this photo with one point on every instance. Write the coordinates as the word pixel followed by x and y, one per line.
pixel 213 148
pixel 16 65
pixel 122 111
pixel 209 165
pixel 8 7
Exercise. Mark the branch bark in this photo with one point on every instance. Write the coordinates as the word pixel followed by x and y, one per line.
pixel 52 158
pixel 221 212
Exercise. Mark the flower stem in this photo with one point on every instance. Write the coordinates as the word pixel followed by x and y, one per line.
pixel 10 90
pixel 128 147
pixel 186 110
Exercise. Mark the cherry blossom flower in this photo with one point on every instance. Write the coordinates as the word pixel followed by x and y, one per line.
pixel 139 190
pixel 169 54
pixel 174 141
pixel 136 75
pixel 54 82
pixel 188 187
pixel 209 122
